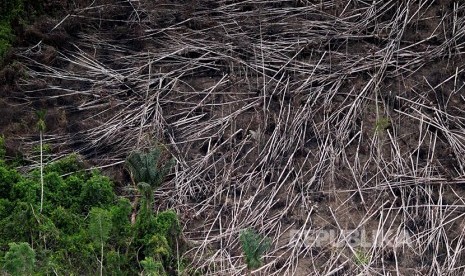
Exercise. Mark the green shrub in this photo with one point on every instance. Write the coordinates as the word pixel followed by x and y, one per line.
pixel 71 192
pixel 382 124
pixel 97 192
pixel 20 259
pixel 117 263
pixel 159 248
pixel 167 224
pixel 26 190
pixel 67 165
pixel 18 225
pixel 6 38
pixel 99 225
pixel 361 257
pixel 67 221
pixel 8 177
pixel 55 190
pixel 10 10
pixel 5 208
pixel 152 267
pixel 158 235
pixel 254 246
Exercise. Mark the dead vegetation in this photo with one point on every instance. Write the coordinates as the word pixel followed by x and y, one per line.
pixel 283 116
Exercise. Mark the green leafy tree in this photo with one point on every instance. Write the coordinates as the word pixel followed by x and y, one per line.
pixel 54 191
pixel 162 239
pixel 65 220
pixel 97 192
pixel 99 230
pixel 20 259
pixel 8 177
pixel 121 225
pixel 116 263
pixel 254 246
pixel 19 225
pixel 71 164
pixel 167 224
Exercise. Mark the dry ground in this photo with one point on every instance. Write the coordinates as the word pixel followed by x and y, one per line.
pixel 283 116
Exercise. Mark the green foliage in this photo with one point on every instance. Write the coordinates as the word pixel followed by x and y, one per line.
pixel 55 189
pixel 8 177
pixel 147 194
pixel 361 257
pixel 41 120
pixel 48 233
pixel 25 190
pixel 148 171
pixel 99 230
pixel 158 247
pixel 97 191
pixel 158 235
pixel 116 263
pixel 6 38
pixel 19 260
pixel 5 208
pixel 254 246
pixel 65 220
pixel 99 225
pixel 144 227
pixel 14 13
pixel 152 267
pixel 121 232
pixel 73 187
pixel 46 149
pixel 83 227
pixel 18 224
pixel 67 165
pixel 167 223
pixel 382 124
pixel 148 167
pixel 10 10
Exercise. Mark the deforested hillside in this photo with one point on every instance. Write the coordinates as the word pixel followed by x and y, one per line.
pixel 334 128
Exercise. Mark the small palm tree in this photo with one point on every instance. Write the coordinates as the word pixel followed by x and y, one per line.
pixel 147 171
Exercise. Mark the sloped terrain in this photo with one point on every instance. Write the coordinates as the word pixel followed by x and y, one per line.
pixel 289 117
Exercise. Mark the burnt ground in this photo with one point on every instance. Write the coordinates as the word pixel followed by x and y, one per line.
pixel 289 117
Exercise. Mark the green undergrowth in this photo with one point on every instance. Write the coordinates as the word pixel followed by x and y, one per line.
pixel 10 12
pixel 84 227
pixel 15 14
